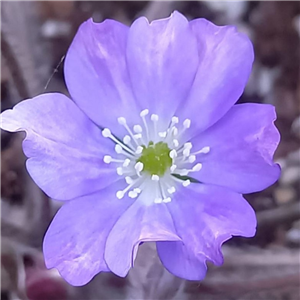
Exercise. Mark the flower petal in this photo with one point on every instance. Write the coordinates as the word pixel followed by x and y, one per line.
pixel 242 145
pixel 162 61
pixel 75 241
pixel 96 73
pixel 205 217
pixel 226 58
pixel 64 147
pixel 144 221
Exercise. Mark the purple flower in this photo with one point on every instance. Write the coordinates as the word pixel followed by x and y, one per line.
pixel 150 147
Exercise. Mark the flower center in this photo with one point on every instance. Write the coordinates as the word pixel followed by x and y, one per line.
pixel 156 158
pixel 153 156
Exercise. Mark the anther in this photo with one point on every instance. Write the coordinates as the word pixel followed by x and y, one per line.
pixel 137 129
pixel 186 152
pixel 126 139
pixel 155 177
pixel 154 117
pixel 184 172
pixel 139 150
pixel 175 143
pixel 173 154
pixel 106 132
pixel 175 120
pixel 167 200
pixel 197 167
pixel 174 131
pixel 144 112
pixel 120 171
pixel 162 134
pixel 204 150
pixel 138 168
pixel 126 162
pixel 173 167
pixel 137 190
pixel 122 121
pixel 187 123
pixel 171 190
pixel 128 180
pixel 118 149
pixel 188 145
pixel 157 200
pixel 132 194
pixel 107 159
pixel 192 158
pixel 186 183
pixel 120 194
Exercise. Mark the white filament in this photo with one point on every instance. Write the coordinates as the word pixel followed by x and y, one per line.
pixel 128 165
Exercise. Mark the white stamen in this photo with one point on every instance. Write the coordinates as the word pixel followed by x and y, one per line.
pixel 106 132
pixel 204 150
pixel 158 200
pixel 184 172
pixel 144 112
pixel 137 129
pixel 162 134
pixel 118 149
pixel 187 123
pixel 188 145
pixel 173 167
pixel 139 150
pixel 155 177
pixel 154 118
pixel 192 158
pixel 137 190
pixel 137 136
pixel 120 171
pixel 128 188
pixel 186 152
pixel 126 139
pixel 167 200
pixel 175 120
pixel 174 131
pixel 171 190
pixel 173 153
pixel 197 167
pixel 138 168
pixel 175 143
pixel 122 121
pixel 128 180
pixel 120 194
pixel 132 194
pixel 107 159
pixel 126 162
pixel 186 183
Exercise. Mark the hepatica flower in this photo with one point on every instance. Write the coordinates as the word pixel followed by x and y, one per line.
pixel 150 147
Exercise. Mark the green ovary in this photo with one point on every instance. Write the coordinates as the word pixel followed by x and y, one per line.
pixel 156 159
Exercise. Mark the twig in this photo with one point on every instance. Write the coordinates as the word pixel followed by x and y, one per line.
pixel 14 67
pixel 284 213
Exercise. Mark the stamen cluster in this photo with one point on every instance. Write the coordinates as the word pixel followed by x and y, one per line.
pixel 133 149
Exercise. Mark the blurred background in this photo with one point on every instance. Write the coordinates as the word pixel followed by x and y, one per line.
pixel 34 39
